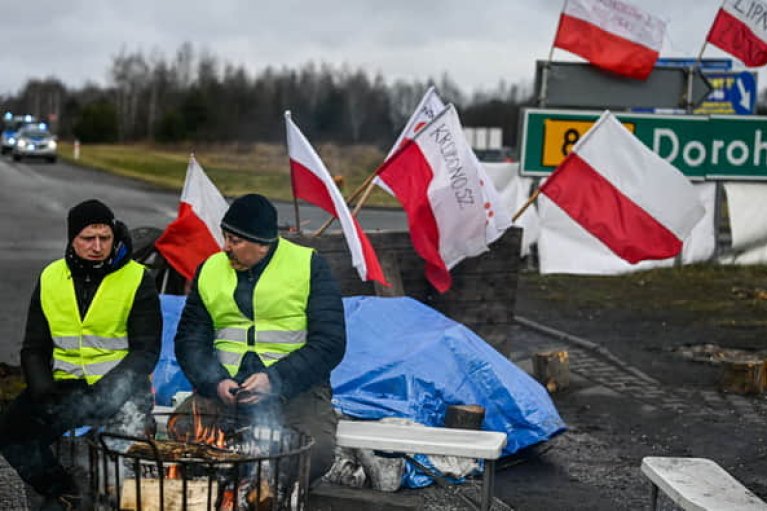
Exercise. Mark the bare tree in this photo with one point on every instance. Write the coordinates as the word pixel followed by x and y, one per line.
pixel 131 77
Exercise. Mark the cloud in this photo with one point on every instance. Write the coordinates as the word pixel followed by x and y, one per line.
pixel 477 44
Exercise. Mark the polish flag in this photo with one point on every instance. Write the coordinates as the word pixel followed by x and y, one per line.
pixel 623 194
pixel 739 29
pixel 195 234
pixel 612 35
pixel 436 178
pixel 313 183
pixel 428 108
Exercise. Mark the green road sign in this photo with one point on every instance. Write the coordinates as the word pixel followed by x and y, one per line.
pixel 723 147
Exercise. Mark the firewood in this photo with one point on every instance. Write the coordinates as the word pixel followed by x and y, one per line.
pixel 196 495
pixel 174 451
pixel 260 497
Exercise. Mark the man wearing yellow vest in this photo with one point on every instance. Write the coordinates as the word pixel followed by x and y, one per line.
pixel 92 339
pixel 264 325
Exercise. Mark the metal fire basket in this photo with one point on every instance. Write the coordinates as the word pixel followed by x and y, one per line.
pixel 254 468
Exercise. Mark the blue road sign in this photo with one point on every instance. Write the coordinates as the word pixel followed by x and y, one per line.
pixel 704 64
pixel 734 93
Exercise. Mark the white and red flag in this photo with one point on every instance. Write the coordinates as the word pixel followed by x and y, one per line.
pixel 313 183
pixel 428 108
pixel 740 29
pixel 436 178
pixel 612 35
pixel 623 194
pixel 196 233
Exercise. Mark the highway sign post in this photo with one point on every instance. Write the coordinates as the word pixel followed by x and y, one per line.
pixel 577 85
pixel 701 147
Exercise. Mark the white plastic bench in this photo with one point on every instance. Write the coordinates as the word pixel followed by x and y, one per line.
pixel 414 439
pixel 698 484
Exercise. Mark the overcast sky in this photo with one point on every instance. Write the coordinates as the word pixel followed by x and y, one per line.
pixel 478 43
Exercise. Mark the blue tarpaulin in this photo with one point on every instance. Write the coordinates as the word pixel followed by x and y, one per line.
pixel 167 378
pixel 404 359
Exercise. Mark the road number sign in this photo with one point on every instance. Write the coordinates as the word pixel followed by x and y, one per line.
pixel 727 147
pixel 559 137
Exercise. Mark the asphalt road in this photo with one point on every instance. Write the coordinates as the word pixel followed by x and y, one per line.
pixel 35 198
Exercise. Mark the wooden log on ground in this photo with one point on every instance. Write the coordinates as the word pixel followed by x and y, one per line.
pixel 552 369
pixel 464 416
pixel 744 376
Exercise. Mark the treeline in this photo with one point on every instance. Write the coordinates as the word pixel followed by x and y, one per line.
pixel 195 96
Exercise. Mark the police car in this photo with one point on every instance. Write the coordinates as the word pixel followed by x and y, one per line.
pixel 11 126
pixel 35 141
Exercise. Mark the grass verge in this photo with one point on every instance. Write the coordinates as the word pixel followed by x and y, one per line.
pixel 716 295
pixel 234 168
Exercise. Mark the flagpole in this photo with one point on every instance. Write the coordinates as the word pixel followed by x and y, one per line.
pixel 705 41
pixel 526 205
pixel 700 55
pixel 295 199
pixel 367 185
pixel 690 72
pixel 545 71
pixel 698 62
pixel 363 199
pixel 361 188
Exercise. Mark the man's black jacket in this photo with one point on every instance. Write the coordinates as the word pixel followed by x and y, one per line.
pixel 111 391
pixel 302 369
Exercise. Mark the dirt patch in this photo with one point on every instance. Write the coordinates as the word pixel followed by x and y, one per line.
pixel 643 317
pixel 648 320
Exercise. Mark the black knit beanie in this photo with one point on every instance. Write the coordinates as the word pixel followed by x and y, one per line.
pixel 87 213
pixel 253 218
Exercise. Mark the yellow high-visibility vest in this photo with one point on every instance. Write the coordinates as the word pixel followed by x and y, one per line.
pixel 89 347
pixel 279 320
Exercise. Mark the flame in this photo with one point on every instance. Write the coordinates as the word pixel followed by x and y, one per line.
pixel 227 501
pixel 211 435
pixel 173 472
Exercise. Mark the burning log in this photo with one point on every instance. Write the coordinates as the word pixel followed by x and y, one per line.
pixel 254 497
pixel 208 460
pixel 199 420
pixel 260 497
pixel 170 450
